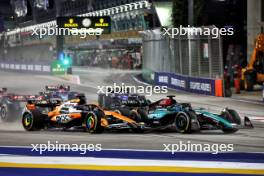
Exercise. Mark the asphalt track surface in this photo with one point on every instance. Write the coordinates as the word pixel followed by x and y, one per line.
pixel 13 134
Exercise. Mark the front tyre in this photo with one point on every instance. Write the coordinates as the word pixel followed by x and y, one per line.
pixel 33 120
pixel 3 113
pixel 183 122
pixel 93 122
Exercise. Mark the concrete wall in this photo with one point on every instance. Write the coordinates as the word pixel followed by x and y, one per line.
pixel 253 23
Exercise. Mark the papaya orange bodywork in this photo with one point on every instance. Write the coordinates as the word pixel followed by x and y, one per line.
pixel 75 115
pixel 104 122
pixel 117 115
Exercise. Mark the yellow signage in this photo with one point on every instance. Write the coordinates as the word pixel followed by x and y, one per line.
pixel 71 24
pixel 101 23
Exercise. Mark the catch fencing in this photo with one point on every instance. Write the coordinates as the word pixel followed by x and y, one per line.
pixel 192 57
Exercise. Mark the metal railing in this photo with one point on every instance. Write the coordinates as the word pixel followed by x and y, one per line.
pixel 196 55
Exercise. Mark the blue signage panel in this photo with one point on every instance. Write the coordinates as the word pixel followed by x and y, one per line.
pixel 202 86
pixel 162 79
pixel 186 83
pixel 179 82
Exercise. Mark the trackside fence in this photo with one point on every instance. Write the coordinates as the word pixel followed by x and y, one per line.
pixel 192 63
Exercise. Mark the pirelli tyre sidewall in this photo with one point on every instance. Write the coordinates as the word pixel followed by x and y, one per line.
pixel 9 112
pixel 183 122
pixel 92 122
pixel 135 116
pixel 32 120
pixel 4 112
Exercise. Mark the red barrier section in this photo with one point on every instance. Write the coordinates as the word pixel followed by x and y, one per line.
pixel 237 85
pixel 219 87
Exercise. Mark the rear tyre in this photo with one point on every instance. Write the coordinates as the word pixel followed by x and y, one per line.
pixel 4 113
pixel 9 112
pixel 33 121
pixel 134 115
pixel 93 122
pixel 143 115
pixel 183 122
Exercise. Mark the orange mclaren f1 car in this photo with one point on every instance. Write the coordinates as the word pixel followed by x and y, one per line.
pixel 52 113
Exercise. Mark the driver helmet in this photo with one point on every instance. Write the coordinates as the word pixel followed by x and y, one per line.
pixel 167 102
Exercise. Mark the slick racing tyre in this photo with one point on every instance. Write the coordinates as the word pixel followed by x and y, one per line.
pixel 93 122
pixel 183 122
pixel 134 115
pixel 9 113
pixel 33 121
pixel 143 115
pixel 4 113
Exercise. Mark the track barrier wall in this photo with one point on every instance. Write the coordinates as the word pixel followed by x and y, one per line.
pixel 42 68
pixel 205 86
pixel 263 92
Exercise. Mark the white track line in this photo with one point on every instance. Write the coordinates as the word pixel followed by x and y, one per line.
pixel 132 150
pixel 128 162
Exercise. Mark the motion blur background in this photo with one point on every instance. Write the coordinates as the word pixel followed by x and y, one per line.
pixel 128 17
pixel 135 41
